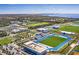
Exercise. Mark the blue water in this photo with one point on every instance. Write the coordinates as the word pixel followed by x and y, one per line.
pixel 63 15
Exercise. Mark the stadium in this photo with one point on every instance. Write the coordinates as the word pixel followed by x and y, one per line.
pixel 51 42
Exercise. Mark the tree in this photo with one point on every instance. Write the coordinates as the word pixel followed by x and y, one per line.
pixel 3 33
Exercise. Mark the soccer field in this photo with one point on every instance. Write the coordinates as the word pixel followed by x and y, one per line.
pixel 53 41
pixel 70 28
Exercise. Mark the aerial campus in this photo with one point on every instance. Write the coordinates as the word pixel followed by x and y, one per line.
pixel 44 29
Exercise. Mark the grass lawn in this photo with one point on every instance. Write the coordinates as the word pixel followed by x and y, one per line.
pixel 70 28
pixel 77 48
pixel 53 41
pixel 38 24
pixel 5 40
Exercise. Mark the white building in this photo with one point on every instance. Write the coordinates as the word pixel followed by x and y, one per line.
pixel 35 48
pixel 42 30
pixel 66 32
pixel 55 26
pixel 18 30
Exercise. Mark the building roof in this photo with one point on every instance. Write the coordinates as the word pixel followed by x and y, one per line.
pixel 67 32
pixel 34 46
pixel 18 29
pixel 41 29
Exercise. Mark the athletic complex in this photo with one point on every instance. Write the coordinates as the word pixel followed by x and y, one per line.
pixel 51 42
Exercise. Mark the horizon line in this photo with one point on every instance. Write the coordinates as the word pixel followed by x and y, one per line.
pixel 39 13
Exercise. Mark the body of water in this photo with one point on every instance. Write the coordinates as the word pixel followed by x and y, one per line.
pixel 64 15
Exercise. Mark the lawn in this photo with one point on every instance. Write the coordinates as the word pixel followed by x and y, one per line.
pixel 53 41
pixel 70 28
pixel 38 24
pixel 5 40
pixel 77 48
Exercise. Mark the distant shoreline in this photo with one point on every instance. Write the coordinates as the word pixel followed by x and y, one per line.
pixel 45 14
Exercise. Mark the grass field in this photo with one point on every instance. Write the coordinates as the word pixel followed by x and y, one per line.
pixel 70 28
pixel 5 40
pixel 77 48
pixel 53 41
pixel 38 24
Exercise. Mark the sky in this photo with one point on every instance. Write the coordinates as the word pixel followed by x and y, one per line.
pixel 39 8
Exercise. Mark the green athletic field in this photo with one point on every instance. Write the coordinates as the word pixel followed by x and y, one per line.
pixel 38 24
pixel 70 28
pixel 53 41
pixel 5 40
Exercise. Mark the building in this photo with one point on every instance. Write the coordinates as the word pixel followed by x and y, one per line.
pixel 12 49
pixel 18 30
pixel 34 48
pixel 55 26
pixel 42 30
pixel 66 32
pixel 13 26
pixel 16 22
